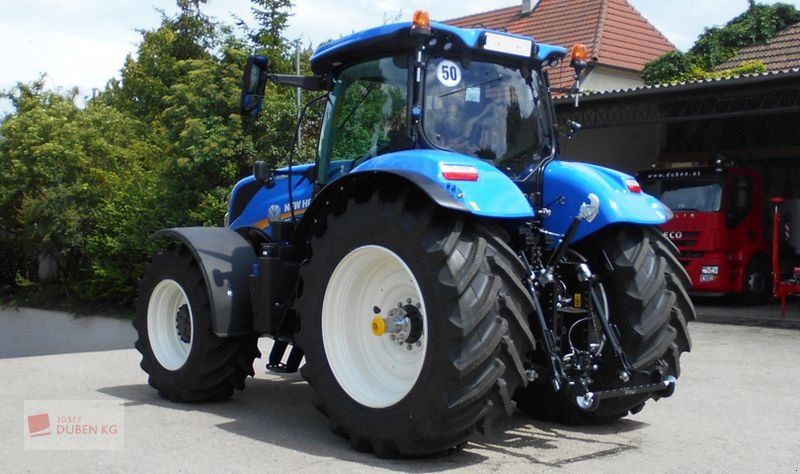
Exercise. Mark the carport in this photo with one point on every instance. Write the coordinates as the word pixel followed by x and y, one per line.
pixel 752 119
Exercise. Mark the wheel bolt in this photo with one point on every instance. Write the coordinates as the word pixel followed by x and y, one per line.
pixel 408 347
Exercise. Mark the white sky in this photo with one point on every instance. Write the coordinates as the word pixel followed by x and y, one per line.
pixel 84 42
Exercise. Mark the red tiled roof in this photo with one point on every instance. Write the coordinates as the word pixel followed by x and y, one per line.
pixel 781 52
pixel 615 33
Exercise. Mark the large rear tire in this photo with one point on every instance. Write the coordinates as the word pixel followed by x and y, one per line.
pixel 185 361
pixel 647 299
pixel 391 257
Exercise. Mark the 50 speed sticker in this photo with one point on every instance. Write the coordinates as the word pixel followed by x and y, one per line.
pixel 448 73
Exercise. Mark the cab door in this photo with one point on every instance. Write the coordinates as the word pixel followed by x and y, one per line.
pixel 744 218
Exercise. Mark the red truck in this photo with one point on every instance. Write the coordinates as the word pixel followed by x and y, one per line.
pixel 720 226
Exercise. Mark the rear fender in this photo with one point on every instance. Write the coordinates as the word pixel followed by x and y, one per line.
pixel 567 185
pixel 225 259
pixel 493 195
pixel 348 186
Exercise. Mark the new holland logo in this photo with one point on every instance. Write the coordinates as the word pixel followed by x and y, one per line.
pixel 274 212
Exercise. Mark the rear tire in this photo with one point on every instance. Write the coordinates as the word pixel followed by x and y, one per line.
pixel 648 302
pixel 465 357
pixel 185 361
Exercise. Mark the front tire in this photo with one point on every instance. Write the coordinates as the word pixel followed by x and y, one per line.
pixel 425 385
pixel 645 288
pixel 185 361
pixel 757 282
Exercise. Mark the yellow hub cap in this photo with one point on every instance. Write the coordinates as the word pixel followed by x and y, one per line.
pixel 378 326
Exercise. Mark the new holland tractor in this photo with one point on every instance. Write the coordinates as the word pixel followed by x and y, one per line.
pixel 437 266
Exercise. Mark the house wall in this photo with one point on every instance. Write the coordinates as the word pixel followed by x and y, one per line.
pixel 604 78
pixel 628 149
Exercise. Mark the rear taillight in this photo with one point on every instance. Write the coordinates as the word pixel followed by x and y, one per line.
pixel 459 172
pixel 633 186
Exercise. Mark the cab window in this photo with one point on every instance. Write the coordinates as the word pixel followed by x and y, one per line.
pixel 366 113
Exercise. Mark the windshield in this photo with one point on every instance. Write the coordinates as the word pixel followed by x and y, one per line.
pixel 489 111
pixel 702 195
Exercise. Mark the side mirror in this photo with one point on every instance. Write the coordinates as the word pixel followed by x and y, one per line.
pixel 263 174
pixel 254 82
pixel 260 171
pixel 569 128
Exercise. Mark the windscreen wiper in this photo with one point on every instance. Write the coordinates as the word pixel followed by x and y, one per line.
pixel 455 91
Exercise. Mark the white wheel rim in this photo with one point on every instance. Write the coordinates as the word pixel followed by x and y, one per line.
pixel 166 300
pixel 376 371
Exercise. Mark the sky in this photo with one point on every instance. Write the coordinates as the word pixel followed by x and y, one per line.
pixel 84 43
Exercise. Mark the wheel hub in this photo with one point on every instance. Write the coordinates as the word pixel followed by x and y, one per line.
pixel 757 283
pixel 183 324
pixel 403 324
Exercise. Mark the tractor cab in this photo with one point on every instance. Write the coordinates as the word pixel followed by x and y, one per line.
pixel 423 85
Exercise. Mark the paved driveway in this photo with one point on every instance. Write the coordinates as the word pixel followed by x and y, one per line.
pixel 735 409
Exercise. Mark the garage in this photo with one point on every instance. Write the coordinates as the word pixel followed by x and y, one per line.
pixel 741 130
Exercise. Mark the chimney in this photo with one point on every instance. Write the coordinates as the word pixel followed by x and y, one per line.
pixel 528 6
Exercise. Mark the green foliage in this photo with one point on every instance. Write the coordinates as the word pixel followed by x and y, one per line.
pixel 719 44
pixel 678 68
pixel 748 67
pixel 162 146
pixel 674 66
pixel 62 164
pixel 757 25
pixel 272 17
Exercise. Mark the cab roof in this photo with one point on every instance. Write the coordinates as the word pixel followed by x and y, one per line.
pixel 397 37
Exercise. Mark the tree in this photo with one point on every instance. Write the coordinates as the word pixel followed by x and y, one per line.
pixel 161 147
pixel 272 18
pixel 719 44
pixel 61 164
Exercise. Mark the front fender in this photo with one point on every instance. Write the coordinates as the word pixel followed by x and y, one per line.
pixel 567 185
pixel 225 259
pixel 492 195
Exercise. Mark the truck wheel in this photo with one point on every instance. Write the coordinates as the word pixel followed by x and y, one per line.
pixel 647 301
pixel 185 361
pixel 414 324
pixel 757 282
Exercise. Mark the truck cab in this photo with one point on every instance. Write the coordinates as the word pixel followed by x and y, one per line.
pixel 719 225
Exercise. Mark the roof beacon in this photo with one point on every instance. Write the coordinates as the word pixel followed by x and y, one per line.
pixel 579 60
pixel 421 22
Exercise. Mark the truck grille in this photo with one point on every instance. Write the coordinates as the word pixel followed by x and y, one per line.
pixel 684 239
pixel 691 254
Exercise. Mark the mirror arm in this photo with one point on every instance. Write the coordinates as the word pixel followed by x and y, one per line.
pixel 309 83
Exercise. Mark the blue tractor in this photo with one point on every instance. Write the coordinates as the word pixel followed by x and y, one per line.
pixel 437 266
